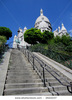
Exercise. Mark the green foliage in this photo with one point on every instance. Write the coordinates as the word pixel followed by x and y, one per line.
pixel 37 47
pixel 55 51
pixel 57 39
pixel 65 40
pixel 69 47
pixel 32 36
pixel 2 40
pixel 2 43
pixel 57 48
pixel 5 32
pixel 68 64
pixel 47 36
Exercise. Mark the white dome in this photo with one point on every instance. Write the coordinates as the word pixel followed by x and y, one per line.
pixel 43 25
pixel 43 21
pixel 39 19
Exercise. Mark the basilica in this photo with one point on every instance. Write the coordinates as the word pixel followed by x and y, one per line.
pixel 42 23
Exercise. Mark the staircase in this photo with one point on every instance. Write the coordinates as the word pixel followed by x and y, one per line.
pixel 52 84
pixel 21 79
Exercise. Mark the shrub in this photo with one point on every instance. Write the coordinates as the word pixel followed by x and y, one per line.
pixel 47 36
pixel 65 40
pixel 57 39
pixel 69 47
pixel 2 40
pixel 4 31
pixel 32 36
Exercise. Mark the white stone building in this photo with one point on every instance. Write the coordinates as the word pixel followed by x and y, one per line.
pixel 19 39
pixel 61 31
pixel 42 23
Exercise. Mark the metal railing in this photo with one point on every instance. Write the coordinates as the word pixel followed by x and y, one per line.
pixel 42 68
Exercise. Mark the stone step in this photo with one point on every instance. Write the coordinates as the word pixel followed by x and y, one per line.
pixel 16 77
pixel 26 71
pixel 57 88
pixel 22 80
pixel 64 93
pixel 24 90
pixel 47 75
pixel 52 79
pixel 20 73
pixel 27 74
pixel 55 83
pixel 17 66
pixel 36 94
pixel 23 85
pixel 21 69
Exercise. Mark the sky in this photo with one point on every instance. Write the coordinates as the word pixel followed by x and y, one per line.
pixel 21 13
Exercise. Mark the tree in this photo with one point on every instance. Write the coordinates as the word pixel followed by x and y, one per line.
pixel 47 36
pixel 2 40
pixel 32 36
pixel 5 32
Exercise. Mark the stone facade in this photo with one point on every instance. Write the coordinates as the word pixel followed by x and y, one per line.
pixel 42 23
pixel 19 39
pixel 61 31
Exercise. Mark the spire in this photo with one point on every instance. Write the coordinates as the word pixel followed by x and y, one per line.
pixel 62 24
pixel 41 12
pixel 63 28
pixel 25 28
pixel 15 36
pixel 59 29
pixel 56 30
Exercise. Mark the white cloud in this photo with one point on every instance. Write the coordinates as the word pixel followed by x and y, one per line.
pixel 70 31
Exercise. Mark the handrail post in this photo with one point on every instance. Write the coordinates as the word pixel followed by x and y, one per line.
pixel 33 63
pixel 71 86
pixel 44 77
pixel 70 90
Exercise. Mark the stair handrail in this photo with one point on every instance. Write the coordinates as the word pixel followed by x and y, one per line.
pixel 43 65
